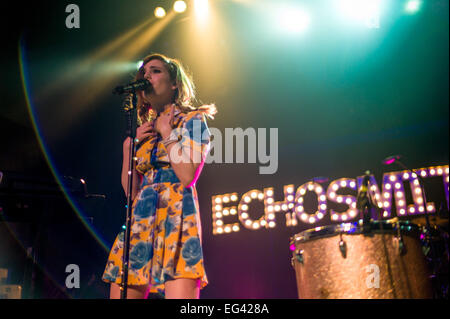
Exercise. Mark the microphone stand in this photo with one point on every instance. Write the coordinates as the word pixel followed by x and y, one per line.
pixel 427 222
pixel 364 204
pixel 130 109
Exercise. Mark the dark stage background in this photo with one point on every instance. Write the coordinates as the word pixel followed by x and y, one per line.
pixel 343 97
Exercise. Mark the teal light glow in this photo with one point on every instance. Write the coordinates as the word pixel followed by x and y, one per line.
pixel 413 6
pixel 294 20
pixel 28 93
pixel 362 12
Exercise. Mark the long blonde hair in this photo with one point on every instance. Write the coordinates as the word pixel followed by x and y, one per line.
pixel 184 94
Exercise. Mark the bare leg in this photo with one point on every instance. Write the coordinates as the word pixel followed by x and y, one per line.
pixel 133 292
pixel 182 289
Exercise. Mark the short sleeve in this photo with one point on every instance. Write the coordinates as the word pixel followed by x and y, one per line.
pixel 196 136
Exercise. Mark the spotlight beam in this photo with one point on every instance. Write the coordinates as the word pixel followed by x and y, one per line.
pixel 101 71
pixel 84 67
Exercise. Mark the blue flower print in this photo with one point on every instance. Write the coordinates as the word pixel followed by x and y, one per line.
pixel 141 253
pixel 188 202
pixel 197 130
pixel 192 251
pixel 111 275
pixel 146 205
pixel 168 226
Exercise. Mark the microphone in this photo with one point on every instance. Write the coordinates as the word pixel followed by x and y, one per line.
pixel 391 159
pixel 132 87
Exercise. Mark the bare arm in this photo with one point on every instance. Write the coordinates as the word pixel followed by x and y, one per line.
pixel 182 164
pixel 125 171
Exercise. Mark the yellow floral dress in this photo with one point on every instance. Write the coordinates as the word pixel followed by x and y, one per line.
pixel 165 239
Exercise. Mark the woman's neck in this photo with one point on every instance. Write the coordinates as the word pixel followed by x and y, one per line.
pixel 161 108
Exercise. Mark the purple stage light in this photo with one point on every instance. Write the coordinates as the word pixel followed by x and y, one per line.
pixel 391 159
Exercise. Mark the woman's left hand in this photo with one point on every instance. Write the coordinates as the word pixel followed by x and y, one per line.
pixel 164 123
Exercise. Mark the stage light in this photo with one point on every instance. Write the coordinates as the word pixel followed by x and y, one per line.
pixel 179 6
pixel 294 20
pixel 160 12
pixel 139 64
pixel 412 6
pixel 363 11
pixel 201 8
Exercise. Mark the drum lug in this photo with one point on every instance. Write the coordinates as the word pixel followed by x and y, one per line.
pixel 401 246
pixel 343 248
pixel 297 256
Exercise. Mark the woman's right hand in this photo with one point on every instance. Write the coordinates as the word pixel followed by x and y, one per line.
pixel 145 130
pixel 142 132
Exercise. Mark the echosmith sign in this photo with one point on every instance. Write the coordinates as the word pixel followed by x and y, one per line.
pixel 392 190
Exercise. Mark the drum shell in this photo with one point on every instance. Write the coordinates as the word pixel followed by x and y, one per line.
pixel 325 273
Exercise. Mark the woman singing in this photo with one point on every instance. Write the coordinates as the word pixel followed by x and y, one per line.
pixel 172 144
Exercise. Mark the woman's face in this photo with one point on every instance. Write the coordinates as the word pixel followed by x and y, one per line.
pixel 163 89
